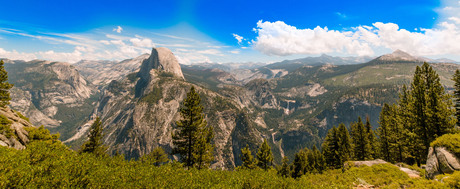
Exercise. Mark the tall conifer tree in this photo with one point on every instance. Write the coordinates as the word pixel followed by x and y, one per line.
pixel 192 140
pixel 4 86
pixel 264 156
pixel 360 138
pixel 94 144
pixel 456 79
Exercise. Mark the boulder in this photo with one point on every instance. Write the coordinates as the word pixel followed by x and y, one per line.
pixel 441 161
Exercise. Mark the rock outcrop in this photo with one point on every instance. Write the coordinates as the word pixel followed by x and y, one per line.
pixel 161 59
pixel 16 136
pixel 441 161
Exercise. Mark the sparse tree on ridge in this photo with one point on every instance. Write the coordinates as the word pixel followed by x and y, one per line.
pixel 192 140
pixel 247 158
pixel 264 156
pixel 94 144
pixel 4 86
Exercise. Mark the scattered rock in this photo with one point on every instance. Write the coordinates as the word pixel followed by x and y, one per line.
pixel 20 136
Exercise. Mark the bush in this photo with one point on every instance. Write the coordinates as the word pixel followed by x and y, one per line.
pixel 450 141
pixel 5 127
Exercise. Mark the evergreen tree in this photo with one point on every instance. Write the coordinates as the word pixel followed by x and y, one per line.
pixel 456 79
pixel 203 153
pixel 330 148
pixel 247 158
pixel 264 156
pixel 156 157
pixel 94 144
pixel 384 132
pixel 432 108
pixel 372 140
pixel 360 138
pixel 192 140
pixel 285 170
pixel 345 149
pixel 337 147
pixel 4 86
pixel 300 163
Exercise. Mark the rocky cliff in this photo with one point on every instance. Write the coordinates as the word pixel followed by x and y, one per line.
pixel 53 94
pixel 140 113
pixel 12 131
pixel 101 73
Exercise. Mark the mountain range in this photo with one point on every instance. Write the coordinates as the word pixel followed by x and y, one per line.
pixel 291 103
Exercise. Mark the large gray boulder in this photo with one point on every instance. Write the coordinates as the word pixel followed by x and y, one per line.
pixel 441 161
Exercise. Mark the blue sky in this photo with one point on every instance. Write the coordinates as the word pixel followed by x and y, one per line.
pixel 227 31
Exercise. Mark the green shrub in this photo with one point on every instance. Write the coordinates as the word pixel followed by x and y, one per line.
pixel 449 141
pixel 5 126
pixel 22 116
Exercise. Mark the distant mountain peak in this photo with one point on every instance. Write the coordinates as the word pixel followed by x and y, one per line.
pixel 399 55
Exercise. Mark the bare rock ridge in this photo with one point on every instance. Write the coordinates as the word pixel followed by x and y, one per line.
pixel 18 137
pixel 161 59
pixel 399 55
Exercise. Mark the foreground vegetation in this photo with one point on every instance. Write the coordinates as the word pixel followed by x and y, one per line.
pixel 50 164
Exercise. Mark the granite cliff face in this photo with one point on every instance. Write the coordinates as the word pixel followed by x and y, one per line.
pixel 101 73
pixel 53 94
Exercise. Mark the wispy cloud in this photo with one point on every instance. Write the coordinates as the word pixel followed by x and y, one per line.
pixel 238 38
pixel 118 29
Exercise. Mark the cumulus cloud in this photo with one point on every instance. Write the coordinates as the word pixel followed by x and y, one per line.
pixel 238 38
pixel 278 38
pixel 119 29
pixel 139 42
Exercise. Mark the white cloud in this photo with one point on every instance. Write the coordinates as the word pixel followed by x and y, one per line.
pixel 119 29
pixel 210 51
pixel 235 51
pixel 145 42
pixel 238 38
pixel 278 38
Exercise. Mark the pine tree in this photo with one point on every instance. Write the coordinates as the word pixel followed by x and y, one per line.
pixel 360 138
pixel 285 170
pixel 264 156
pixel 4 86
pixel 192 140
pixel 345 150
pixel 372 140
pixel 94 144
pixel 247 158
pixel 156 157
pixel 203 153
pixel 300 163
pixel 456 79
pixel 330 148
pixel 384 132
pixel 432 108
